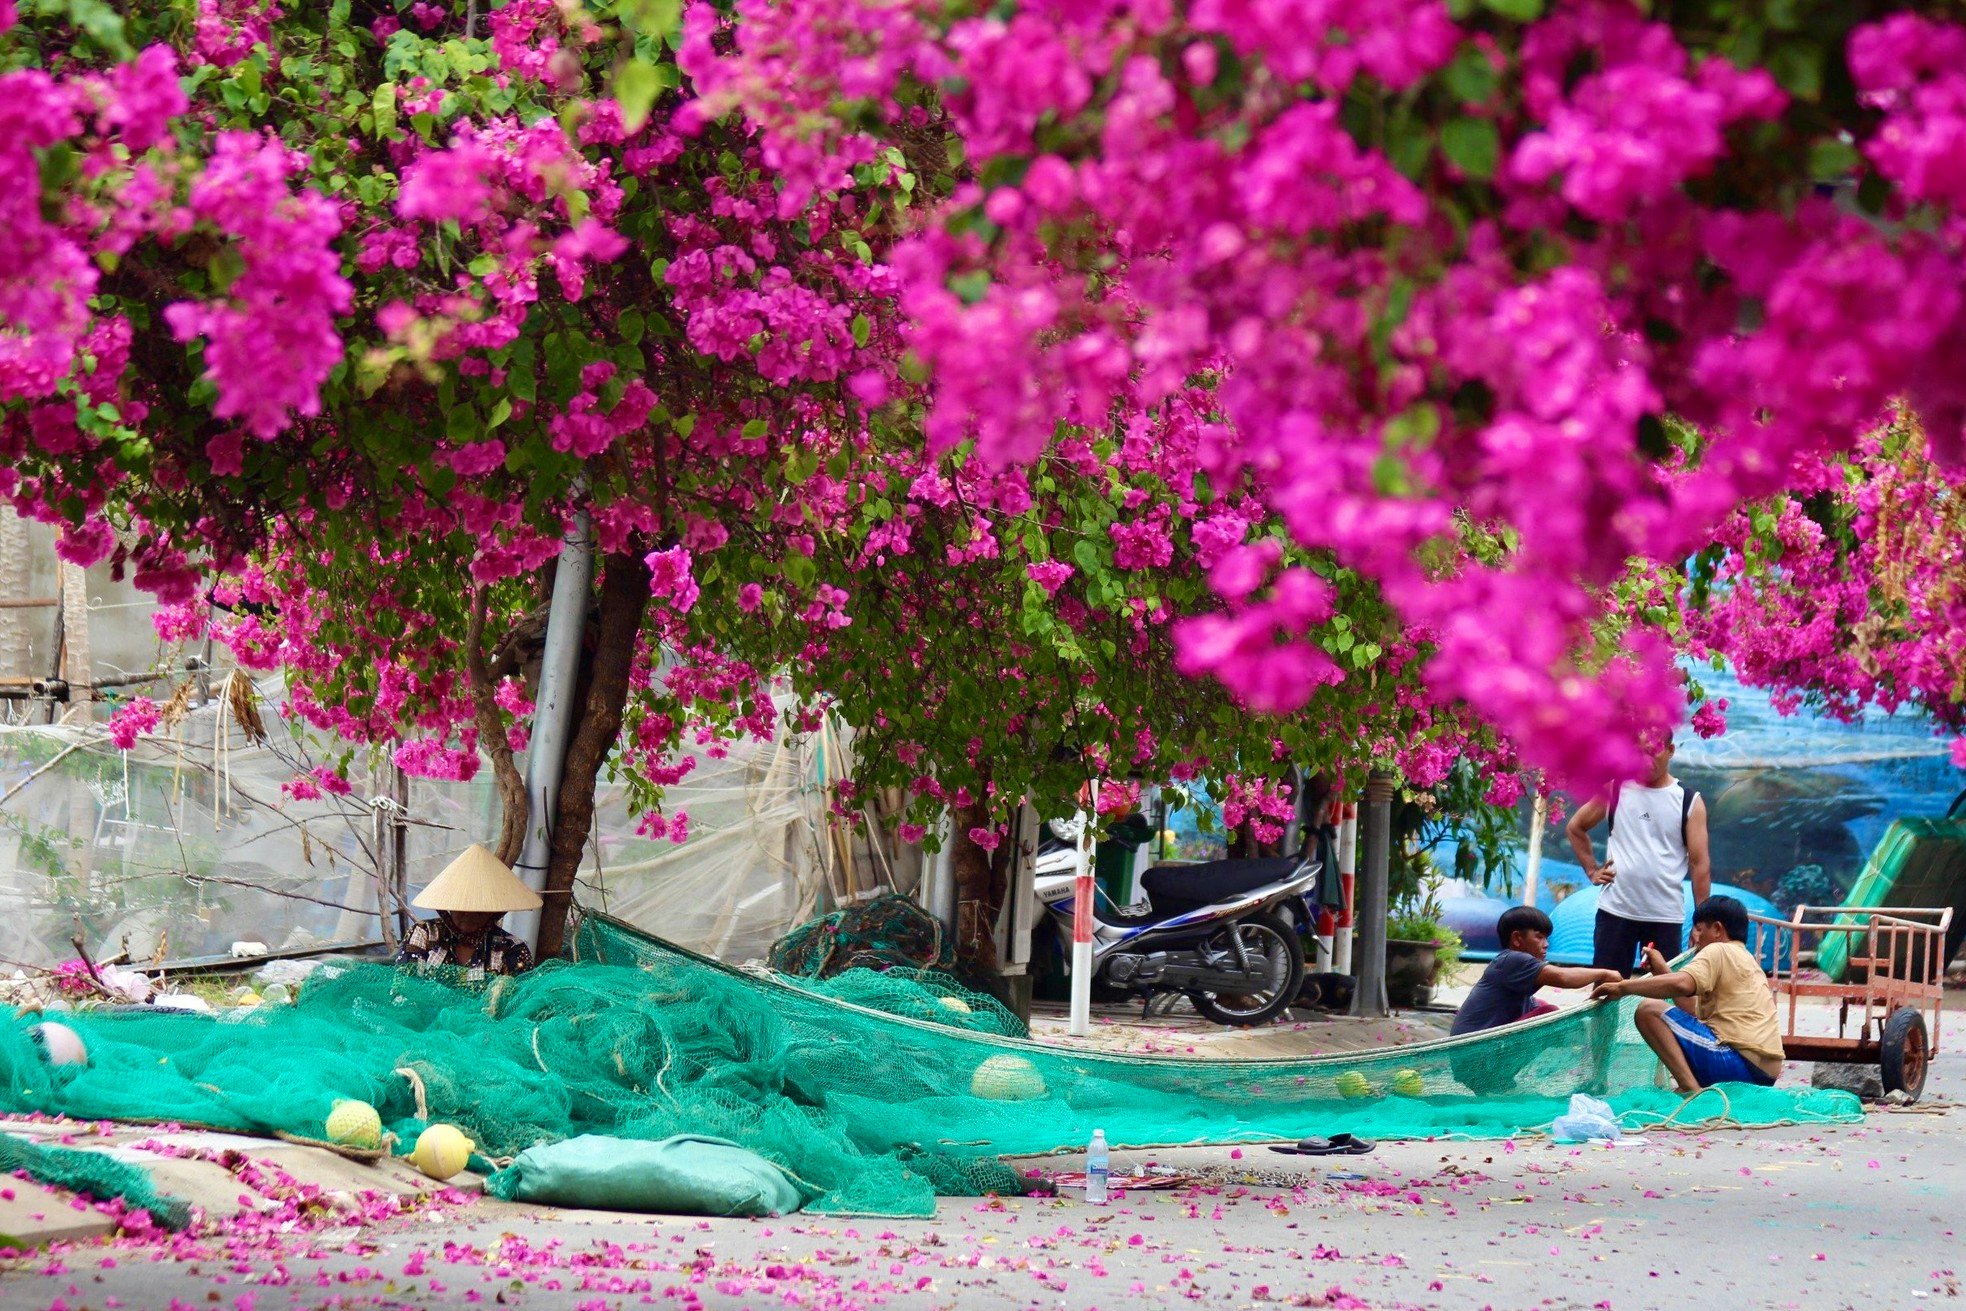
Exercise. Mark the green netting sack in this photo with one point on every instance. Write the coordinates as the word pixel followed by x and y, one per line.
pixel 684 1175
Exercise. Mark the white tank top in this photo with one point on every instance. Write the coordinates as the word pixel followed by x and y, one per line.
pixel 1650 853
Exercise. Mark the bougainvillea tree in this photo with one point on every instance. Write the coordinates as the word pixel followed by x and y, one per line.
pixel 331 324
pixel 1446 264
pixel 971 367
pixel 1849 591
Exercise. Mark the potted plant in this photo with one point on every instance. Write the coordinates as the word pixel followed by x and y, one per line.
pixel 1419 948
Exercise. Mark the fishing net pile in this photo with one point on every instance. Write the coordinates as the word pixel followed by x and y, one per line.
pixel 888 955
pixel 885 933
pixel 878 1112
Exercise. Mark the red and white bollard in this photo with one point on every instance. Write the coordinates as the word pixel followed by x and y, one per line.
pixel 1082 906
pixel 1082 895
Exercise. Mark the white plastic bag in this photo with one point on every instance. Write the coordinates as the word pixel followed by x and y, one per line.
pixel 1588 1120
pixel 127 984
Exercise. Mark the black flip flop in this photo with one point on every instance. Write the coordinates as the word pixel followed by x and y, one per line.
pixel 1340 1144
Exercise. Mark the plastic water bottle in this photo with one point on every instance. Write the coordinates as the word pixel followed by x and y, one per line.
pixel 1097 1169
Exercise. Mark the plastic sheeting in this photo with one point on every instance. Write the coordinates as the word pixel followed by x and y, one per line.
pixel 186 843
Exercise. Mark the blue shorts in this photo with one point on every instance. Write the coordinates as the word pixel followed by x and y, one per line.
pixel 1711 1060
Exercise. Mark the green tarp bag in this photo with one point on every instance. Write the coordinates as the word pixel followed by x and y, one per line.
pixel 684 1175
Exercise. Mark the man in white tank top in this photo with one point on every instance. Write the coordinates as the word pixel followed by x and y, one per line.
pixel 1658 840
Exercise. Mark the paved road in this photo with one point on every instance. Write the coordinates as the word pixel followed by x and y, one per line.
pixel 1857 1216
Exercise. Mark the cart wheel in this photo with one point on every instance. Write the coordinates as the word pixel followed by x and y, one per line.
pixel 1903 1052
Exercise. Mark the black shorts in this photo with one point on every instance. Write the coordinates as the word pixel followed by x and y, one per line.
pixel 1618 940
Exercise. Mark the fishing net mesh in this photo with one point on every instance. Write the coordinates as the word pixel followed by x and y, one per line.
pixel 91 1174
pixel 879 1111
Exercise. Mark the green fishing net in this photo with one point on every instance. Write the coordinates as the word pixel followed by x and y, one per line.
pixel 887 932
pixel 879 1112
pixel 91 1174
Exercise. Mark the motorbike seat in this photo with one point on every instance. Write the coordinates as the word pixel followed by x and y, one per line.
pixel 1177 888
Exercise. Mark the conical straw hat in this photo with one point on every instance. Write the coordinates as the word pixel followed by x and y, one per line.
pixel 477 881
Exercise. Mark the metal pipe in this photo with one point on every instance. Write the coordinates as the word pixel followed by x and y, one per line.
pixel 559 672
pixel 940 894
pixel 58 689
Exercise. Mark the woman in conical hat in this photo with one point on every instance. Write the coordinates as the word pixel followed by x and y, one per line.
pixel 469 897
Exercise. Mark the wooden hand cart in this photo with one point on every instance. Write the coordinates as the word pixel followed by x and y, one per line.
pixel 1893 977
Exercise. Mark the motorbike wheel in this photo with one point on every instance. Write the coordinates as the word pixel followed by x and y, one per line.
pixel 1265 935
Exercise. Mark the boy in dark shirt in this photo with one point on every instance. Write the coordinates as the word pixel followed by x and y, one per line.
pixel 1507 990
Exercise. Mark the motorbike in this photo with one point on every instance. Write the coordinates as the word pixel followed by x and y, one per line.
pixel 1225 933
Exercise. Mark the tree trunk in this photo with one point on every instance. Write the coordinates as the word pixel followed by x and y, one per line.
pixel 624 598
pixel 513 804
pixel 979 895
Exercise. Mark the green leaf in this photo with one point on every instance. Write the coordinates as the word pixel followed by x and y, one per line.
pixel 971 286
pixel 101 22
pixel 1473 145
pixel 860 329
pixel 500 412
pixel 1832 160
pixel 384 105
pixel 1522 11
pixel 650 16
pixel 1390 477
pixel 461 425
pixel 225 268
pixel 1408 146
pixel 635 89
pixel 1471 77
pixel 1415 426
pixel 1086 554
pixel 756 428
pixel 1798 68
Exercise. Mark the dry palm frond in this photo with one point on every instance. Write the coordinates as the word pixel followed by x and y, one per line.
pixel 177 707
pixel 245 705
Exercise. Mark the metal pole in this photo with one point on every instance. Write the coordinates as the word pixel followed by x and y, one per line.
pixel 1083 895
pixel 1539 815
pixel 1369 995
pixel 939 897
pixel 1341 938
pixel 559 671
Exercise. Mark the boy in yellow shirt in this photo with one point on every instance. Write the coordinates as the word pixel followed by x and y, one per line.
pixel 1720 1026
